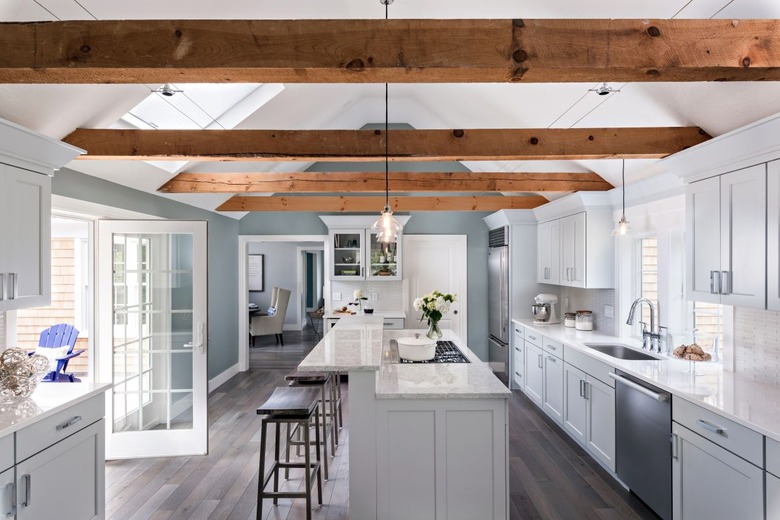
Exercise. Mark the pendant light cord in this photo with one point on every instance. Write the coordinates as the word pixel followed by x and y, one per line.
pixel 623 187
pixel 387 138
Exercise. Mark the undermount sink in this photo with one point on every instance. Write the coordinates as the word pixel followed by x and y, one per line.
pixel 621 352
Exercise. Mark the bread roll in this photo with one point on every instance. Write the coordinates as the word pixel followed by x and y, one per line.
pixel 695 349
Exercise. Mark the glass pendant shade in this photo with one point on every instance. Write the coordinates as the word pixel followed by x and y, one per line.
pixel 622 227
pixel 386 227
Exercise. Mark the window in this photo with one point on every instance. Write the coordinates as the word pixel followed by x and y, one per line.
pixel 707 324
pixel 648 278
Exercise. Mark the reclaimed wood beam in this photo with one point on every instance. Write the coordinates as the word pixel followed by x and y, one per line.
pixel 394 51
pixel 369 204
pixel 329 182
pixel 369 145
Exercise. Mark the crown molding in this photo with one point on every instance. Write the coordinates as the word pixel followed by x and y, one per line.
pixel 30 150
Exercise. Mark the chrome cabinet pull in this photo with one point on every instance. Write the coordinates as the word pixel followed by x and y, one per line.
pixel 2 286
pixel 585 388
pixel 674 440
pixel 541 364
pixel 27 490
pixel 15 286
pixel 582 390
pixel 715 281
pixel 714 428
pixel 725 282
pixel 551 358
pixel 68 423
pixel 11 488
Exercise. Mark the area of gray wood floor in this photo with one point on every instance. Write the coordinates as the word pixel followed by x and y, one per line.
pixel 550 476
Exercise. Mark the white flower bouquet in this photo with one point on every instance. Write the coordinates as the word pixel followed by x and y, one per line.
pixel 433 306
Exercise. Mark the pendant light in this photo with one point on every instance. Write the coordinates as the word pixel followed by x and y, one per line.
pixel 386 227
pixel 622 227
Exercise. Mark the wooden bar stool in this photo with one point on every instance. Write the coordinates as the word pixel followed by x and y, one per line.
pixel 290 406
pixel 323 382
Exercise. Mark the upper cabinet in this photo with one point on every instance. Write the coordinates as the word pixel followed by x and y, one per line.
pixel 726 238
pixel 773 236
pixel 355 253
pixel 27 161
pixel 577 250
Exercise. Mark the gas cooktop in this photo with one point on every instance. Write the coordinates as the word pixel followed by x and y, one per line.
pixel 446 352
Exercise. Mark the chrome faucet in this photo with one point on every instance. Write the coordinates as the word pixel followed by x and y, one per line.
pixel 651 339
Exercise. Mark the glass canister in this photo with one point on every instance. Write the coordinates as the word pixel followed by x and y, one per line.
pixel 569 319
pixel 584 320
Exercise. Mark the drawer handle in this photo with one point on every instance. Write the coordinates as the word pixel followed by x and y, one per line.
pixel 551 358
pixel 714 428
pixel 518 349
pixel 27 490
pixel 552 347
pixel 11 488
pixel 69 423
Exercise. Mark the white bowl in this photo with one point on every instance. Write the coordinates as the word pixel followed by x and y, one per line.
pixel 421 348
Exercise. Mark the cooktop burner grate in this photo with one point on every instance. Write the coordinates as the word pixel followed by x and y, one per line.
pixel 446 352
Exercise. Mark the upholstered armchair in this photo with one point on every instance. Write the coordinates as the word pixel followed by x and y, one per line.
pixel 272 324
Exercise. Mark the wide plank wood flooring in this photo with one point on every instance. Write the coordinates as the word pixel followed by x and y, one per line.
pixel 551 477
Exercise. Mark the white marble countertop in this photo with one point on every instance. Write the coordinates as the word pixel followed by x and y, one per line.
pixel 47 400
pixel 744 400
pixel 381 314
pixel 360 344
pixel 472 380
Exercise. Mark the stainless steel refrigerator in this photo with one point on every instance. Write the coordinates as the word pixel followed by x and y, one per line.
pixel 498 303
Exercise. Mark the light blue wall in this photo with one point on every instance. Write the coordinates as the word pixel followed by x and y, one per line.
pixel 422 223
pixel 222 252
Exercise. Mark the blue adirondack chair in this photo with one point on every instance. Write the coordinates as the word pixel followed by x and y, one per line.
pixel 61 338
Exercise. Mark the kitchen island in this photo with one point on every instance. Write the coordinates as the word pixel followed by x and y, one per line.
pixel 425 440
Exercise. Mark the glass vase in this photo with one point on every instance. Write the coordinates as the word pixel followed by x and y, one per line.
pixel 434 332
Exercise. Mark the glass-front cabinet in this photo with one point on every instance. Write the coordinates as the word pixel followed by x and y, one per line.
pixel 348 246
pixel 357 255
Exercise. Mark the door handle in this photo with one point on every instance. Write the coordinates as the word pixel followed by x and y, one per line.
pixel 585 391
pixel 714 282
pixel 541 364
pixel 27 490
pixel 674 440
pixel 2 286
pixel 11 488
pixel 725 282
pixel 14 283
pixel 582 390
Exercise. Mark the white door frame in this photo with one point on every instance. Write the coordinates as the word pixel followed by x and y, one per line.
pixel 243 291
pixel 300 250
pixel 163 443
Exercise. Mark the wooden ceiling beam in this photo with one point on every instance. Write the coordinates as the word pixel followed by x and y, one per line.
pixel 394 51
pixel 369 145
pixel 370 204
pixel 367 182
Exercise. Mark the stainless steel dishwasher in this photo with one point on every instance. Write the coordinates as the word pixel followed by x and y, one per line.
pixel 643 448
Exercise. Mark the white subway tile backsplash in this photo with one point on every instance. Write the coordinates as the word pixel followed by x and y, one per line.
pixel 389 294
pixel 757 344
pixel 592 300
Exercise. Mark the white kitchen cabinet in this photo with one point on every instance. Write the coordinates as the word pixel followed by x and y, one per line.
pixel 726 238
pixel 553 387
pixel 772 496
pixel 573 247
pixel 65 480
pixel 356 255
pixel 708 481
pixel 518 356
pixel 549 252
pixel 25 231
pixel 773 236
pixel 577 250
pixel 534 373
pixel 589 413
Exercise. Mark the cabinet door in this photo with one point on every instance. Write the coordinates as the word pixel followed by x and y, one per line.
pixel 553 387
pixel 347 254
pixel 383 261
pixel 534 373
pixel 743 237
pixel 575 407
pixel 7 504
pixel 518 360
pixel 66 480
pixel 772 496
pixel 26 238
pixel 573 250
pixel 710 482
pixel 702 214
pixel 548 252
pixel 601 421
pixel 773 236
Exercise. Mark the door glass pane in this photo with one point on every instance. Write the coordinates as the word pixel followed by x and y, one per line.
pixel 152 331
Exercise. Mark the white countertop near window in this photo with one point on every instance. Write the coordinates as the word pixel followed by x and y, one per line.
pixel 744 400
pixel 381 314
pixel 47 400
pixel 360 344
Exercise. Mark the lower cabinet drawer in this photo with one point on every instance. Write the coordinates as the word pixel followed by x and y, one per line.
pixel 393 323
pixel 6 452
pixel 736 438
pixel 46 432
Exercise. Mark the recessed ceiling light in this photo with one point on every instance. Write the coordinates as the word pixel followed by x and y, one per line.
pixel 603 90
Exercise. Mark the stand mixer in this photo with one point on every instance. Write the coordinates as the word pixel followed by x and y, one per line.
pixel 544 309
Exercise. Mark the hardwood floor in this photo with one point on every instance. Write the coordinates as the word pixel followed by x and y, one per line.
pixel 550 476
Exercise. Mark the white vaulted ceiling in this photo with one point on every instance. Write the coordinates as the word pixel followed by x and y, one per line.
pixel 57 110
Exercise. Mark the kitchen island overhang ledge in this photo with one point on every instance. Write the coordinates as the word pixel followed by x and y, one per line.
pixel 422 437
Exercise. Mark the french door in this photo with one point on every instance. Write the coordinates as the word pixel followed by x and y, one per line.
pixel 152 336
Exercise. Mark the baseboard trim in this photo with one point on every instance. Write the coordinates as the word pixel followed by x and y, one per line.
pixel 221 379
